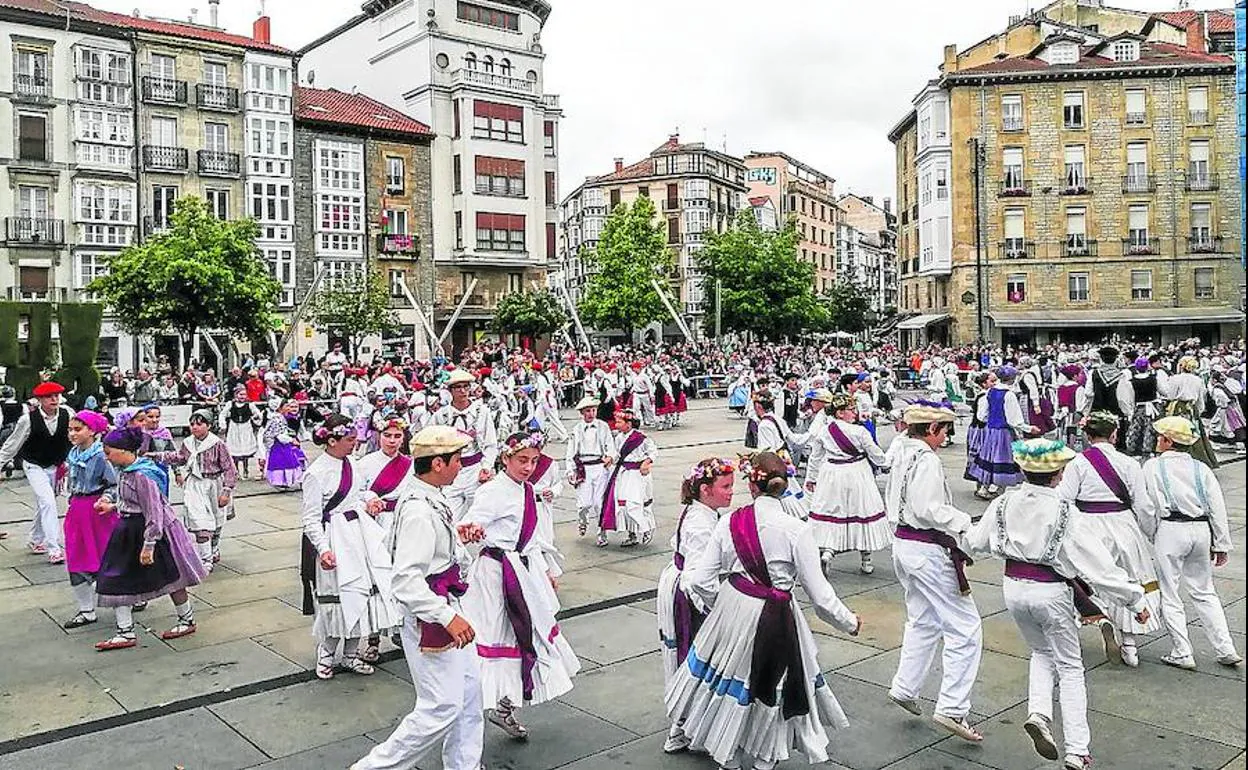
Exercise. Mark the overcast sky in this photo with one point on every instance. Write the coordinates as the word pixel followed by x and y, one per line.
pixel 822 80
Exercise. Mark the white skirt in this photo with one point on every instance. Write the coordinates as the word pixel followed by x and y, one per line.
pixel 485 608
pixel 201 512
pixel 710 698
pixel 1122 536
pixel 240 439
pixel 669 584
pixel 847 510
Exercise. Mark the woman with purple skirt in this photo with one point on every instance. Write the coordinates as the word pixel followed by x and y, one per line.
pixel 86 530
pixel 286 461
pixel 149 554
pixel 1002 415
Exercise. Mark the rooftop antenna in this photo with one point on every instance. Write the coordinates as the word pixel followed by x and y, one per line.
pixel 725 142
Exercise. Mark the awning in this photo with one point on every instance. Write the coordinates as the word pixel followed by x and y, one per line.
pixel 1166 316
pixel 922 321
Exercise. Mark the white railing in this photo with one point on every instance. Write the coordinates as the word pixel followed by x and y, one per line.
pixel 479 78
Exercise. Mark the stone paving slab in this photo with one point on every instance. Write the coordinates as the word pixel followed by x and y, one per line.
pixel 597 584
pixel 339 754
pixel 627 694
pixel 1002 680
pixel 612 635
pixel 1206 659
pixel 41 703
pixel 225 624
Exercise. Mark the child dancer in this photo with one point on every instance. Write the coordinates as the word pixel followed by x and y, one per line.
pixel 387 477
pixel 547 485
pixel 286 461
pixel 704 492
pixel 628 497
pixel 524 659
pixel 87 530
pixel 149 554
pixel 241 419
pixel 591 450
pixel 208 483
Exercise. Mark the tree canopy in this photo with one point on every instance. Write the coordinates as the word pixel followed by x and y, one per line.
pixel 765 288
pixel 848 303
pixel 200 273
pixel 355 308
pixel 631 253
pixel 529 313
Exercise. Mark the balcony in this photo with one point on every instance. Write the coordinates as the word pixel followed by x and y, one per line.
pixel 36 294
pixel 1200 181
pixel 550 101
pixel 1012 123
pixel 1076 185
pixel 212 163
pixel 1136 118
pixel 671 204
pixel 157 158
pixel 1138 246
pixel 1198 116
pixel 1015 187
pixel 1079 246
pixel 1203 243
pixel 474 300
pixel 1017 248
pixel 500 191
pixel 406 245
pixel 491 80
pixel 1139 183
pixel 220 98
pixel 34 231
pixel 163 91
pixel 32 85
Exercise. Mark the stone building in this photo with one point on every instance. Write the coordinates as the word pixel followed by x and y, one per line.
pixel 363 202
pixel 695 190
pixel 877 243
pixel 1089 186
pixel 805 195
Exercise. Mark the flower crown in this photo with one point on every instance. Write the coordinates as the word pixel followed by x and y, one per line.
pixel 396 422
pixel 519 443
pixel 944 403
pixel 339 432
pixel 758 475
pixel 709 469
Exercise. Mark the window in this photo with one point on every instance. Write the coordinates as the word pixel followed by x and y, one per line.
pixel 1076 176
pixel 397 279
pixel 96 125
pixel 32 136
pixel 33 282
pixel 1137 107
pixel 673 230
pixel 114 157
pixel 1063 53
pixel 550 189
pixel 394 221
pixel 500 122
pixel 104 203
pixel 1012 166
pixel 643 191
pixel 500 232
pixel 270 136
pixel 614 198
pixel 340 271
pixel 487 64
pixel 218 203
pixel 925 189
pixel 500 176
pixel 1076 232
pixel 1203 283
pixel 457 175
pixel 164 132
pixel 271 202
pixel 1141 284
pixel 504 67
pixel 697 221
pixel 1015 246
pixel 163 67
pixel 1137 230
pixel 1072 109
pixel 1012 112
pixel 548 137
pixel 466 279
pixel 1198 104
pixel 1198 165
pixel 942 183
pixel 1137 167
pixel 89 267
pixel 1077 287
pixel 551 240
pixel 340 166
pixel 215 74
pixel 1126 50
pixel 470 61
pixel 163 83
pixel 1016 287
pixel 163 197
pixel 940 121
pixel 395 176
pixel 515 282
pixel 32 204
pixel 478 14
pixel 282 267
pixel 216 137
pixel 459 229
pixel 340 224
pixel 31 76
pixel 1202 230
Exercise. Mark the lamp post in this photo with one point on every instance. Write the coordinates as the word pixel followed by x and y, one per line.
pixel 977 161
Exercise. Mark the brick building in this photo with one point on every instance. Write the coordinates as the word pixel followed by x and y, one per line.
pixel 804 195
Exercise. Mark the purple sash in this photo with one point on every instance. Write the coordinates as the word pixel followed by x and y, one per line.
pixel 935 537
pixel 687 620
pixel 1042 573
pixel 606 519
pixel 391 477
pixel 776 665
pixel 1066 396
pixel 513 595
pixel 309 556
pixel 543 464
pixel 843 442
pixel 1105 469
pixel 449 582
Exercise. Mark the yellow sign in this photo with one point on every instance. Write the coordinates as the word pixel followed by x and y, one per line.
pixel 307 332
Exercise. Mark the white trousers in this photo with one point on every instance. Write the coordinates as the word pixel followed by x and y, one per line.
pixel 448 711
pixel 1045 616
pixel 936 610
pixel 1182 550
pixel 645 407
pixel 46 528
pixel 589 493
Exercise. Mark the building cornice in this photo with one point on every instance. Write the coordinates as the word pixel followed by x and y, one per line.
pixel 1100 73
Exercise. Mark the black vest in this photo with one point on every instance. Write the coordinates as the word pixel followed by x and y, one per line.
pixel 42 448
pixel 240 413
pixel 1104 394
pixel 1145 388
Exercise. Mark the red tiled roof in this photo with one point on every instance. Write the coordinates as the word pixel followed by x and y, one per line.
pixel 357 110
pixel 1222 21
pixel 1151 55
pixel 639 170
pixel 759 201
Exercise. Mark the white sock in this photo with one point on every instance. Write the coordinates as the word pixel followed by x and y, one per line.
pixel 185 614
pixel 125 619
pixel 204 550
pixel 84 594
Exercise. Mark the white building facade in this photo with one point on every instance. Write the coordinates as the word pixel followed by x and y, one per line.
pixel 268 116
pixel 935 164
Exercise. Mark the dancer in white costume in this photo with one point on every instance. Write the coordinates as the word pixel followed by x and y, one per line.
pixel 706 490
pixel 846 509
pixel 628 496
pixel 473 419
pixel 591 452
pixel 524 658
pixel 751 690
pixel 1107 487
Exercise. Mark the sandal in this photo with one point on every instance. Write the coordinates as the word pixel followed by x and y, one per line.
pixel 139 607
pixel 124 639
pixel 357 666
pixel 506 719
pixel 371 653
pixel 80 620
pixel 184 627
pixel 958 727
pixel 601 542
pixel 324 664
pixel 37 548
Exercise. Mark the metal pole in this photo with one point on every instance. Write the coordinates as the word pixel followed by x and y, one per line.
pixel 979 250
pixel 302 308
pixel 463 302
pixel 684 329
pixel 719 308
pixel 424 323
pixel 576 318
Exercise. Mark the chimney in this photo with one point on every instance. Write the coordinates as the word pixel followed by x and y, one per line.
pixel 869 200
pixel 213 17
pixel 951 59
pixel 260 29
pixel 1196 39
pixel 619 165
pixel 888 205
pixel 673 140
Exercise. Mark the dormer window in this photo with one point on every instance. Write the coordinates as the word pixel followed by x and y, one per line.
pixel 1064 53
pixel 1126 50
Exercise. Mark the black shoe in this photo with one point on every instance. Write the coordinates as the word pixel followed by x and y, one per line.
pixel 80 620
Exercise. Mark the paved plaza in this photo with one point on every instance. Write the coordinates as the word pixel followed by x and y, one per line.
pixel 240 693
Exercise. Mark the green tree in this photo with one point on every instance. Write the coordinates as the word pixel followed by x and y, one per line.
pixel 529 313
pixel 354 308
pixel 765 288
pixel 631 253
pixel 848 303
pixel 201 273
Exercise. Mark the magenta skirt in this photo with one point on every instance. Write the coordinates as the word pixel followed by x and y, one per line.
pixel 86 533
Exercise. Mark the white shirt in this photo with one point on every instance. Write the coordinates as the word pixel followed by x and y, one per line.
pixel 21 431
pixel 424 544
pixel 1013 412
pixel 589 439
pixel 859 437
pixel 917 474
pixel 1080 481
pixel 475 422
pixel 320 483
pixel 695 531
pixel 1180 487
pixel 499 508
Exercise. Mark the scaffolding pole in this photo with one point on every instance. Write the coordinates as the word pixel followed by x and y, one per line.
pixel 668 304
pixel 434 342
pixel 459 309
pixel 302 308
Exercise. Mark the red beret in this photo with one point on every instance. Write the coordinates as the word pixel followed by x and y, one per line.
pixel 485 372
pixel 48 389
